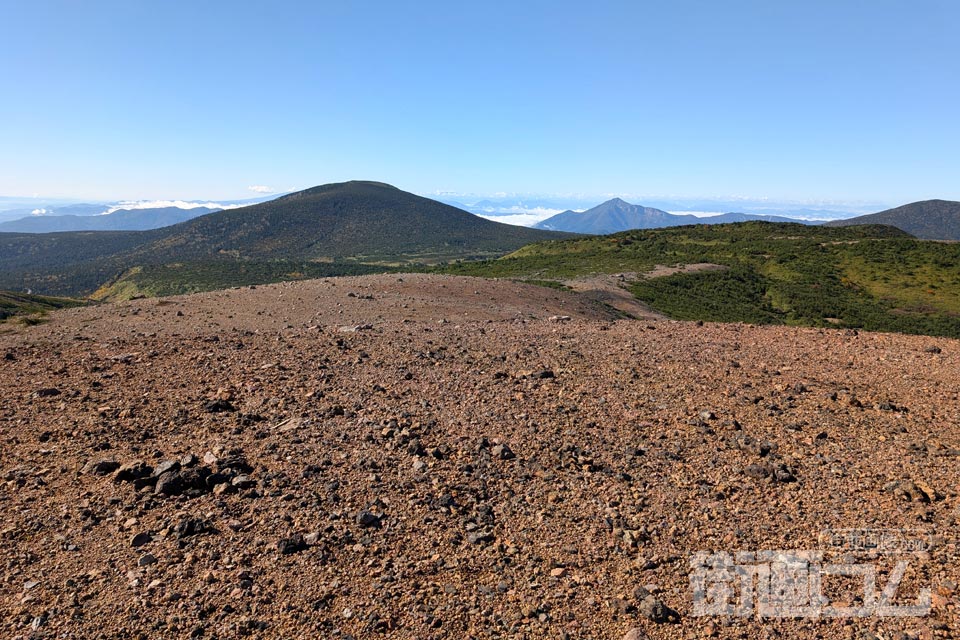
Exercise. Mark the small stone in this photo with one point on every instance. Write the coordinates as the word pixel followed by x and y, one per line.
pixel 636 634
pixel 932 349
pixel 909 491
pixel 140 539
pixel 100 467
pixel 480 537
pixel 209 458
pixel 656 611
pixel 146 559
pixel 132 471
pixel 244 481
pixel 756 471
pixel 169 484
pixel 218 406
pixel 288 546
pixel 166 466
pixel 192 527
pixel 223 488
pixel 559 572
pixel 502 452
pixel 47 392
pixel 367 519
pixel 782 473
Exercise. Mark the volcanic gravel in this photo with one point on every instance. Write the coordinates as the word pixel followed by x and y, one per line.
pixel 427 457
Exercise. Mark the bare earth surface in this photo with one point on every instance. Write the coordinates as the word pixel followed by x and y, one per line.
pixel 436 458
pixel 610 290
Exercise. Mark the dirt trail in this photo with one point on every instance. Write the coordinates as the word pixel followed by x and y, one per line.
pixel 610 289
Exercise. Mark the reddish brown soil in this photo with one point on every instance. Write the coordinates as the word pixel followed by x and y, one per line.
pixel 383 447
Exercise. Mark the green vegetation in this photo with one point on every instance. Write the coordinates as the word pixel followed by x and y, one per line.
pixel 30 309
pixel 194 277
pixel 872 277
pixel 360 222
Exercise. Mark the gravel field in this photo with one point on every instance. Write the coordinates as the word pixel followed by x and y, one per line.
pixel 435 457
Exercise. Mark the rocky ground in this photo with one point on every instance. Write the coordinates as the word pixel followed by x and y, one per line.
pixel 453 458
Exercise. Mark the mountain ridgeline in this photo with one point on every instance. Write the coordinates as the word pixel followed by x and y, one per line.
pixel 616 215
pixel 120 220
pixel 929 220
pixel 352 222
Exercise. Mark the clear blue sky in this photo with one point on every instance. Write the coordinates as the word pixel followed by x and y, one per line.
pixel 838 99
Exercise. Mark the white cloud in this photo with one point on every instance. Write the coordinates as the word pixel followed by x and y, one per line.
pixel 521 216
pixel 39 212
pixel 259 188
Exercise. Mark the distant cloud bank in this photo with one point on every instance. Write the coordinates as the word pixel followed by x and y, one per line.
pixel 260 188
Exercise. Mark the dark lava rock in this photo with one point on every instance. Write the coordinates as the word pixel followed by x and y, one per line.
pixel 655 611
pixel 235 463
pixel 218 406
pixel 502 452
pixel 288 546
pixel 166 466
pixel 48 392
pixel 244 482
pixel 192 527
pixel 141 539
pixel 782 473
pixel 170 484
pixel 133 471
pixel 217 478
pixel 757 471
pixel 368 519
pixel 100 467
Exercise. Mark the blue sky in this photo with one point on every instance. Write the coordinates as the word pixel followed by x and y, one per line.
pixel 814 100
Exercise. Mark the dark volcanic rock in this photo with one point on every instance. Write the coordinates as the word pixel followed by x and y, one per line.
pixel 100 467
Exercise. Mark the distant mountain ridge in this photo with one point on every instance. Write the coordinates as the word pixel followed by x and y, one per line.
pixel 356 221
pixel 616 215
pixel 927 220
pixel 119 220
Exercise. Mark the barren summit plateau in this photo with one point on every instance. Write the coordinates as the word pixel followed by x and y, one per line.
pixel 412 456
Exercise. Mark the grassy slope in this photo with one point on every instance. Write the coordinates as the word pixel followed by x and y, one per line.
pixel 876 278
pixel 180 278
pixel 22 304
